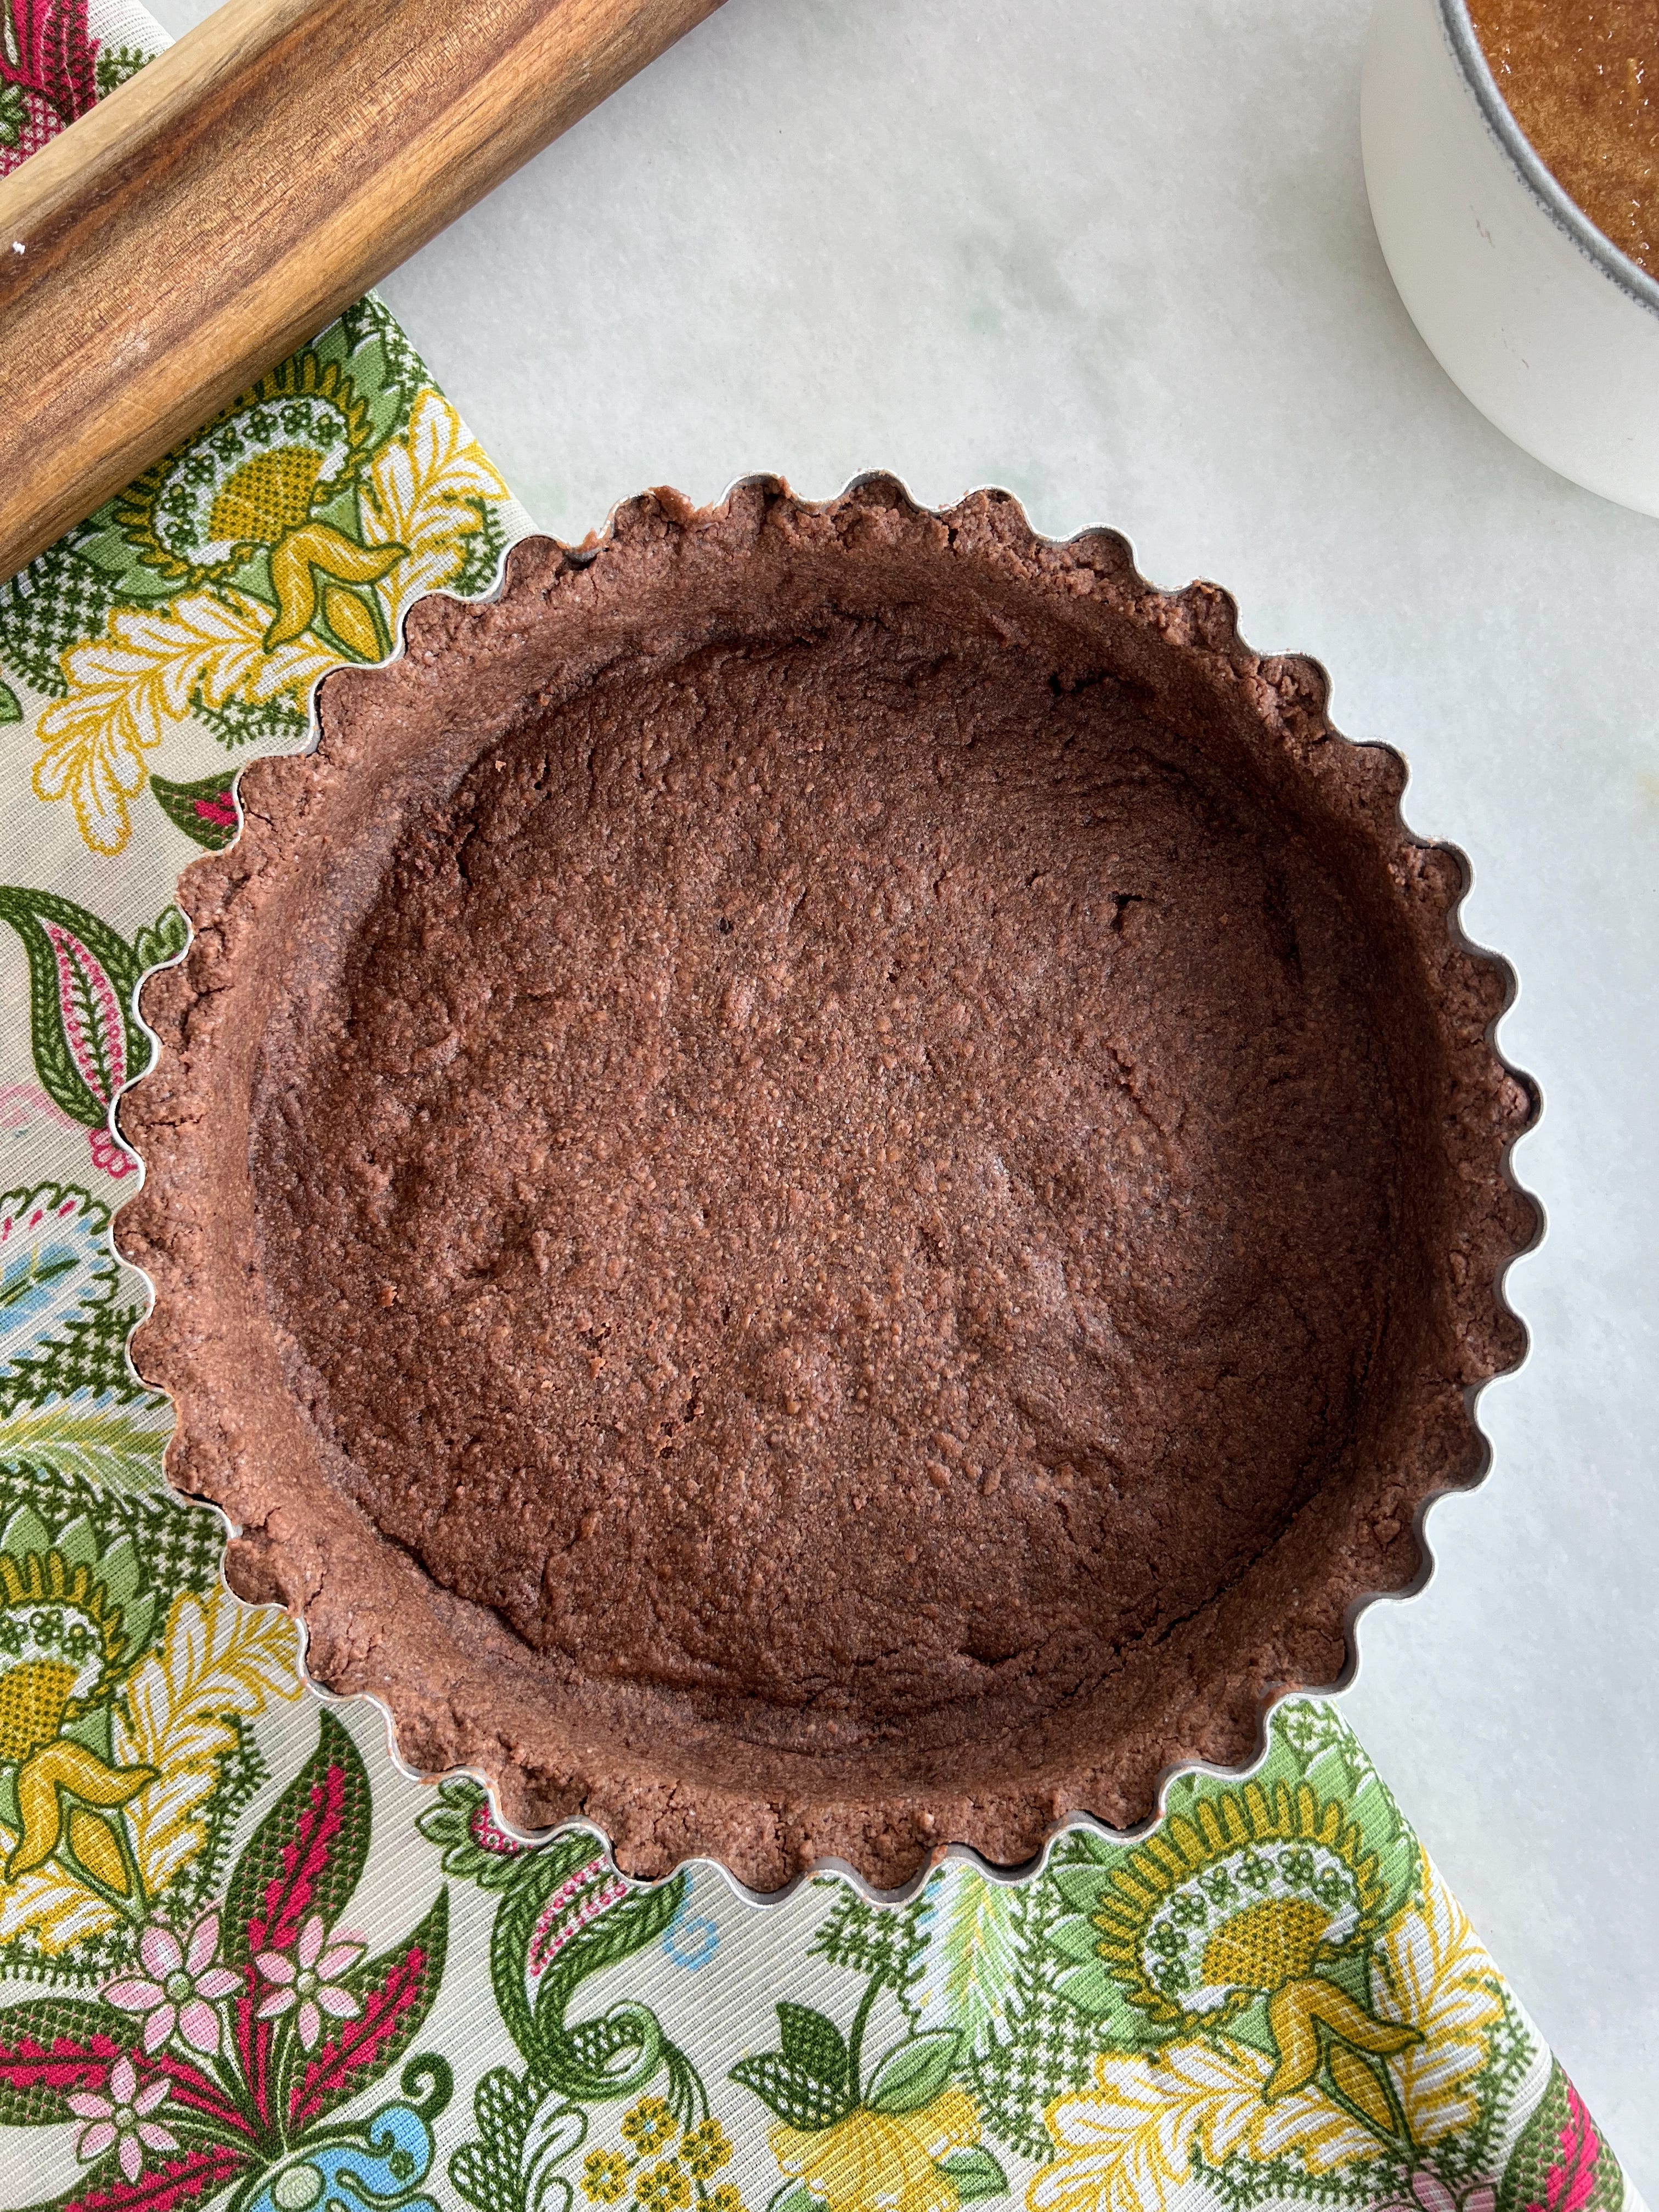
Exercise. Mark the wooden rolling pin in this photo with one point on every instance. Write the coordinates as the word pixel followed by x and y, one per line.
pixel 220 207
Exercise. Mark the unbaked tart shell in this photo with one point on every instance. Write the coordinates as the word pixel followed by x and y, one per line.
pixel 1159 1468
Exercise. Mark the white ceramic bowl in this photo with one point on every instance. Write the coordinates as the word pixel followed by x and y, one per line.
pixel 1548 328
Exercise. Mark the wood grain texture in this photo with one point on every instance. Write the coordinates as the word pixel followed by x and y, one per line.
pixel 220 207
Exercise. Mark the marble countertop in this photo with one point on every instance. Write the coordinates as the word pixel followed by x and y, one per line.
pixel 1115 256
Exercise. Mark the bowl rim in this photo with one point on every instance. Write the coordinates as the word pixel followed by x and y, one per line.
pixel 1562 210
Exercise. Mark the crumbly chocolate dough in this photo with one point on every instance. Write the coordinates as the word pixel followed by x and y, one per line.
pixel 829 1183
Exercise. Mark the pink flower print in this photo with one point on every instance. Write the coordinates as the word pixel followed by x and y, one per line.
pixel 110 1155
pixel 1431 2194
pixel 310 1980
pixel 122 2121
pixel 1571 2181
pixel 490 1837
pixel 182 1988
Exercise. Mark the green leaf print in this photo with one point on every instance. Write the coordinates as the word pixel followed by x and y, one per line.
pixel 621 1929
pixel 486 2171
pixel 794 2197
pixel 50 2047
pixel 475 1849
pixel 975 2174
pixel 797 2097
pixel 396 1991
pixel 204 809
pixel 813 2042
pixel 1560 2159
pixel 106 1445
pixel 115 64
pixel 307 1853
pixel 87 1040
pixel 59 599
pixel 164 939
pixel 870 1939
pixel 524 2138
pixel 974 1954
pixel 914 2073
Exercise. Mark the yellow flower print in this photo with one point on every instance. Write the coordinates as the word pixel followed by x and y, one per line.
pixel 218 1659
pixel 706 2148
pixel 1250 1893
pixel 882 2161
pixel 61 1647
pixel 1343 2082
pixel 648 2125
pixel 422 497
pixel 419 504
pixel 1438 1977
pixel 604 2177
pixel 294 566
pixel 255 480
pixel 666 2188
pixel 1127 2143
pixel 726 2198
pixel 262 467
pixel 128 688
pixel 1257 1898
pixel 67 1769
pixel 1273 1946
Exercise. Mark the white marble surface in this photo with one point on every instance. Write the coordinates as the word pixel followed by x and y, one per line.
pixel 1114 255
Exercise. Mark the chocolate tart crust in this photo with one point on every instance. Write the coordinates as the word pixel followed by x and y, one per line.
pixel 830 1182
